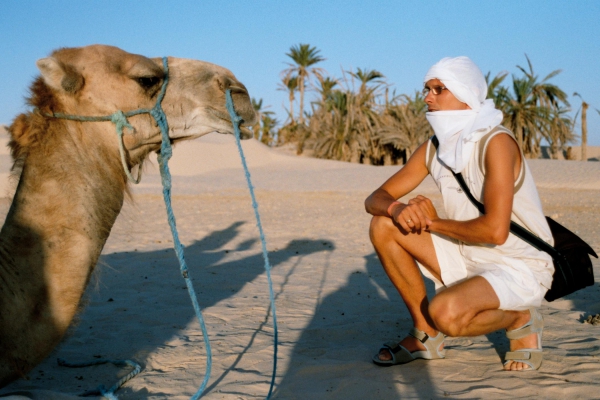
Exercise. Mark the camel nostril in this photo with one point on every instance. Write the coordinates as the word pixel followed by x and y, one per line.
pixel 237 90
pixel 226 83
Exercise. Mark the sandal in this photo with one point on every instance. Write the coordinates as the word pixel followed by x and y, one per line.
pixel 400 355
pixel 531 357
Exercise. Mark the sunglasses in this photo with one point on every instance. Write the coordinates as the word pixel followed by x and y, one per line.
pixel 434 89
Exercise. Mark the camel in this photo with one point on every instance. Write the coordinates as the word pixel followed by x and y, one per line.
pixel 72 183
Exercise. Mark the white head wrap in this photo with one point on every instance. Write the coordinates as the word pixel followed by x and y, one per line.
pixel 459 130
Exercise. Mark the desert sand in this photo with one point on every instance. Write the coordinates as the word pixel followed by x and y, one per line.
pixel 335 305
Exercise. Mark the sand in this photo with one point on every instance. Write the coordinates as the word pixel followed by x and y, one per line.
pixel 335 305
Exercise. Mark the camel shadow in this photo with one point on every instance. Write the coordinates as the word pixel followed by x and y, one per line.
pixel 347 329
pixel 208 261
pixel 125 315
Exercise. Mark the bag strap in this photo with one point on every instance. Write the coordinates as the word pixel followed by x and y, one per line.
pixel 515 228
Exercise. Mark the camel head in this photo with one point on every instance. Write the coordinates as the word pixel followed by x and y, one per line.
pixel 98 80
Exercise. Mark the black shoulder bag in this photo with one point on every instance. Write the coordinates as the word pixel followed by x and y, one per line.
pixel 573 268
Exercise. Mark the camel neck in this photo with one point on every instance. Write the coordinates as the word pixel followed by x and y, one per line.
pixel 75 187
pixel 65 205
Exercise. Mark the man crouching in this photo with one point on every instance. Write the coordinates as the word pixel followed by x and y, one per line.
pixel 486 278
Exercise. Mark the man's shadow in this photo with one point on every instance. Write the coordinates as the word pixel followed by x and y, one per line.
pixel 347 329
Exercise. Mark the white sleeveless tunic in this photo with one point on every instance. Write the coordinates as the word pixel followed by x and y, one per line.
pixel 519 273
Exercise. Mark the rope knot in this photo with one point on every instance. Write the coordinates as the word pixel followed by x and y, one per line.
pixel 120 120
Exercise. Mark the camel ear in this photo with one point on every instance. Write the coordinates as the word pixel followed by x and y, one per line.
pixel 52 72
pixel 59 77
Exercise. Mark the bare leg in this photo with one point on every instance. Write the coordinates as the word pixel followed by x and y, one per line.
pixel 470 308
pixel 397 251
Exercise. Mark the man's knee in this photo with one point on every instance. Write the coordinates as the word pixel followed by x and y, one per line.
pixel 380 229
pixel 448 315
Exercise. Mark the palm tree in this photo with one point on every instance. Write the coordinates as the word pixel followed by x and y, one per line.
pixel 268 135
pixel 257 105
pixel 524 116
pixel 264 123
pixel 534 110
pixel 289 84
pixel 496 92
pixel 340 132
pixel 584 107
pixel 404 127
pixel 344 121
pixel 545 93
pixel 303 56
pixel 326 85
pixel 560 132
pixel 367 76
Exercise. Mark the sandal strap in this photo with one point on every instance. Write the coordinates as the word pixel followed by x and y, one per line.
pixel 518 355
pixel 394 347
pixel 534 325
pixel 531 357
pixel 400 355
pixel 432 344
pixel 419 335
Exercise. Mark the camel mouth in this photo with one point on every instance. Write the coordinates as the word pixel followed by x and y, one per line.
pixel 245 133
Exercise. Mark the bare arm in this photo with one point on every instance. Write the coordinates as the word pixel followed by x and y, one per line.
pixel 502 164
pixel 401 183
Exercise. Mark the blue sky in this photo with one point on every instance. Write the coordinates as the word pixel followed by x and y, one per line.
pixel 401 39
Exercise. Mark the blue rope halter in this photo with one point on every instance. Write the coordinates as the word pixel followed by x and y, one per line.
pixel 119 118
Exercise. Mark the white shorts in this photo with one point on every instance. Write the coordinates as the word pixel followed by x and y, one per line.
pixel 513 281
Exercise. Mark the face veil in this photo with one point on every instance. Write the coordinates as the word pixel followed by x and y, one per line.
pixel 459 130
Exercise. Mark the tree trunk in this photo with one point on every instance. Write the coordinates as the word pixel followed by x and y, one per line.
pixel 292 108
pixel 387 159
pixel 554 151
pixel 584 107
pixel 520 136
pixel 301 112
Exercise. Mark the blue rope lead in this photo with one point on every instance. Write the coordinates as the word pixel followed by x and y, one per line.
pixel 163 161
pixel 236 120
pixel 119 118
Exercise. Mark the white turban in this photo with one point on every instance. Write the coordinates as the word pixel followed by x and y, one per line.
pixel 459 130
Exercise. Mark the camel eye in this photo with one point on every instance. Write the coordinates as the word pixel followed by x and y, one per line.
pixel 147 82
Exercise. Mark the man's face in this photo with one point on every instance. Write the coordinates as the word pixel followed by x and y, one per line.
pixel 445 101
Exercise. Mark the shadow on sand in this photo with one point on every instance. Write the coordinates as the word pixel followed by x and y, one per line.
pixel 331 357
pixel 125 317
pixel 337 345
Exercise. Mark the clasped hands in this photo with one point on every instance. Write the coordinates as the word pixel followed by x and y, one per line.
pixel 418 214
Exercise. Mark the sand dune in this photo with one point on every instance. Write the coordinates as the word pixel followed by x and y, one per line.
pixel 334 304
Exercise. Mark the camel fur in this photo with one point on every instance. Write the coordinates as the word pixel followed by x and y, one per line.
pixel 72 185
